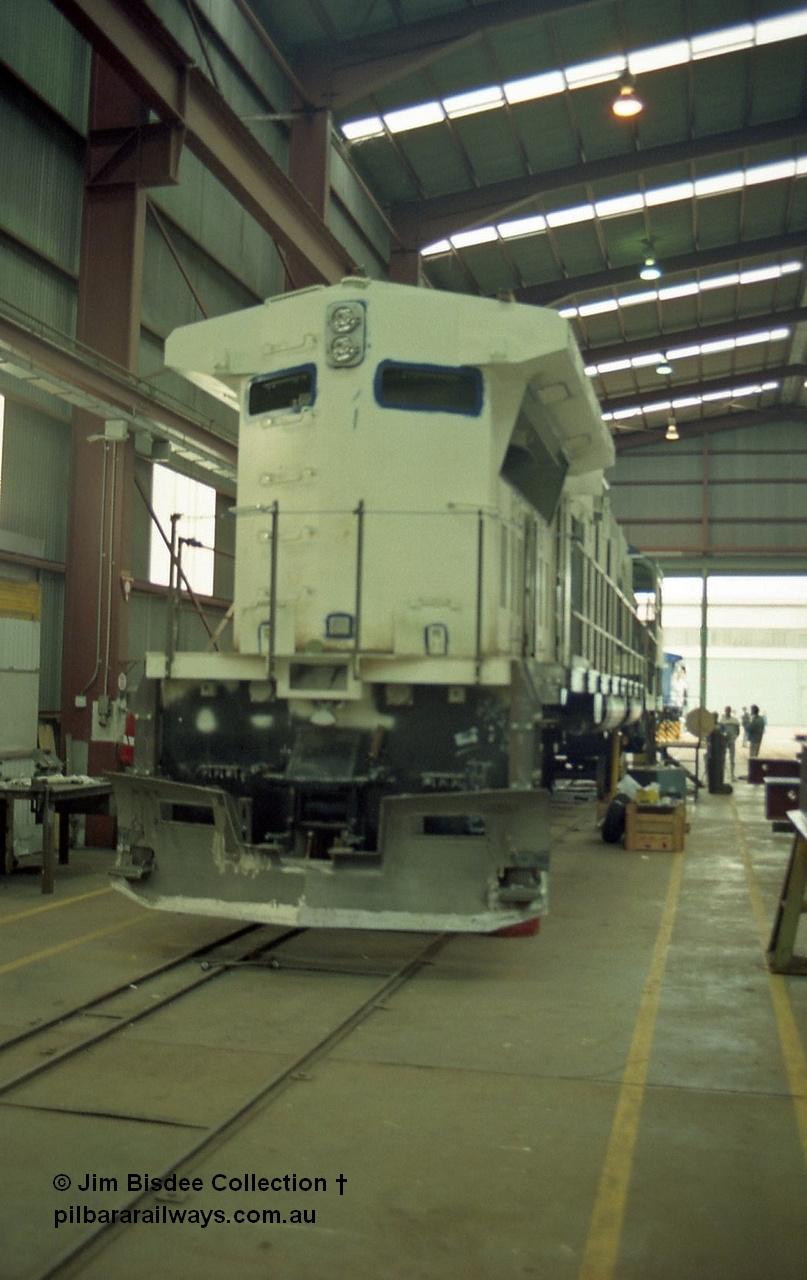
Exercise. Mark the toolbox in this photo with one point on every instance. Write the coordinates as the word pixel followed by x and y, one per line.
pixel 655 827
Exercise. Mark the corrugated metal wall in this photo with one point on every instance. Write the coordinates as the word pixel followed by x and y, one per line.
pixel 701 497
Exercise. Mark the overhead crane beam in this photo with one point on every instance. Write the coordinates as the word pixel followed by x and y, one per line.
pixel 132 40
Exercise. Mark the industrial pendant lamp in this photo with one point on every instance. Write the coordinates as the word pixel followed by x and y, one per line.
pixel 672 430
pixel 664 368
pixel 627 102
pixel 650 269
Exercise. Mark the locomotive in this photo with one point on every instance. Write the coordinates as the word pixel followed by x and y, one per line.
pixel 430 593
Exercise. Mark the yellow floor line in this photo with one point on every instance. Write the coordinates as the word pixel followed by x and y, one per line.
pixel 65 946
pixel 605 1229
pixel 51 906
pixel 790 1040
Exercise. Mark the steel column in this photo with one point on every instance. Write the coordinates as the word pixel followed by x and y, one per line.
pixel 102 475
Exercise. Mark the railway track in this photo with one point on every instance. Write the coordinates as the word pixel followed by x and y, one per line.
pixel 134 1003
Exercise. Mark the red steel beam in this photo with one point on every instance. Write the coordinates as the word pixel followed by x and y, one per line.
pixel 131 39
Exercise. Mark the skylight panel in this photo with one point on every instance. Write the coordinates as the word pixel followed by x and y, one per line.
pixel 670 194
pixel 598 308
pixel 369 127
pixel 414 117
pixel 598 71
pixel 729 40
pixel 719 183
pixel 614 205
pixel 769 335
pixel 479 235
pixel 685 290
pixel 787 27
pixel 683 353
pixel 567 217
pixel 466 104
pixel 544 85
pixel 439 246
pixel 717 345
pixel 610 366
pixel 720 282
pixel 773 172
pixel 522 226
pixel 658 57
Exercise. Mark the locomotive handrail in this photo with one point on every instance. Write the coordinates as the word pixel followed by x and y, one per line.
pixel 359 514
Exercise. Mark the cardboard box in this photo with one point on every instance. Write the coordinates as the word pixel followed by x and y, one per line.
pixel 655 828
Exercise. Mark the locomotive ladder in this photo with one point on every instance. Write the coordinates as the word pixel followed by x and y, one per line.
pixel 792 904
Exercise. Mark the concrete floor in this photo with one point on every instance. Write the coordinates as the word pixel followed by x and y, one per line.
pixel 623 1095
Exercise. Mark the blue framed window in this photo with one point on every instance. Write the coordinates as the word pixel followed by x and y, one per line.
pixel 429 388
pixel 288 391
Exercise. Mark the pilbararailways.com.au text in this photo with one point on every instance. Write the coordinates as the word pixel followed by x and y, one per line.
pixel 168 1215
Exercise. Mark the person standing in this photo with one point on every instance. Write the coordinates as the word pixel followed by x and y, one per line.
pixel 729 726
pixel 756 728
pixel 745 717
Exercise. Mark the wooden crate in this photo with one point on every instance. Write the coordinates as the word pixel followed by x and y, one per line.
pixel 655 828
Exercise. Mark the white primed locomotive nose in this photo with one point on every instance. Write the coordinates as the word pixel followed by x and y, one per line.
pixel 433 604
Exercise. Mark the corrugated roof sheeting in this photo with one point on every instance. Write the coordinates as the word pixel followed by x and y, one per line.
pixel 36 467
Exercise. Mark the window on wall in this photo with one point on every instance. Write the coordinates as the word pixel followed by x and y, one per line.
pixel 175 494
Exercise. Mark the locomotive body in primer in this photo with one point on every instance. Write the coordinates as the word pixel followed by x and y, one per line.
pixel 429 583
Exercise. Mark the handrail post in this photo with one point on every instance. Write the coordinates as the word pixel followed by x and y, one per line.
pixel 270 663
pixel 359 514
pixel 480 560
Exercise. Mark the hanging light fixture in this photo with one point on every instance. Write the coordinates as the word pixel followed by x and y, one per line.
pixel 672 430
pixel 627 102
pixel 650 269
pixel 664 368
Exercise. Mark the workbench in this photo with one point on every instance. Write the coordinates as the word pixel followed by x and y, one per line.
pixel 52 799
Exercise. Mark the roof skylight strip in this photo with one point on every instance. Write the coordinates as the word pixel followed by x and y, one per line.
pixel 619 206
pixel 713 44
pixel 689 402
pixel 755 275
pixel 686 353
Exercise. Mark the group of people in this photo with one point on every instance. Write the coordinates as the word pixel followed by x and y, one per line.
pixel 752 725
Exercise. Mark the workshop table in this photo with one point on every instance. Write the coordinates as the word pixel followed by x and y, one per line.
pixel 53 799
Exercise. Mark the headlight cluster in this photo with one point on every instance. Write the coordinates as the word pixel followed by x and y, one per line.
pixel 345 337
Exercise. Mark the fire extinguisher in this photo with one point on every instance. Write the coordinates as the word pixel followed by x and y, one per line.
pixel 127 745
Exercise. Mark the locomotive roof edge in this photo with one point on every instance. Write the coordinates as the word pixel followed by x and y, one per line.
pixel 411 324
